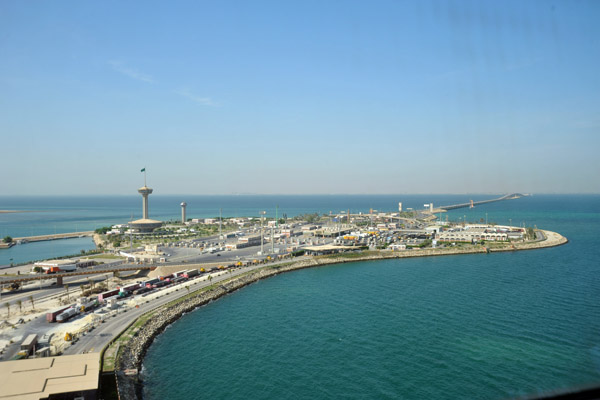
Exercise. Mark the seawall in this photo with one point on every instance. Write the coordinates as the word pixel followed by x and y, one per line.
pixel 132 352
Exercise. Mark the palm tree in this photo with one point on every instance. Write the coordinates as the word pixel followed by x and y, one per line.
pixel 188 289
pixel 91 283
pixel 20 304
pixel 7 305
pixel 67 289
pixel 31 300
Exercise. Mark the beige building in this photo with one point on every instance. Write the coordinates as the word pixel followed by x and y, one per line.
pixel 64 377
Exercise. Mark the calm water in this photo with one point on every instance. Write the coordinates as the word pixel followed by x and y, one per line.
pixel 474 326
pixel 73 214
pixel 35 251
pixel 55 214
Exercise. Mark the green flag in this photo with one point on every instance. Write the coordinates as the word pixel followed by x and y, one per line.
pixel 143 170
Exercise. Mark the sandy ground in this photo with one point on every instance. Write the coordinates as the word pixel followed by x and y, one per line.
pixel 11 330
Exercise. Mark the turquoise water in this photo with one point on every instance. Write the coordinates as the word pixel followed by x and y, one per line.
pixel 60 214
pixel 35 251
pixel 472 326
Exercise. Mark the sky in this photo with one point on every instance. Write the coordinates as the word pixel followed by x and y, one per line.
pixel 299 97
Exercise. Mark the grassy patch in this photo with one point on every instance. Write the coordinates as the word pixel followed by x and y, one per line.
pixel 365 253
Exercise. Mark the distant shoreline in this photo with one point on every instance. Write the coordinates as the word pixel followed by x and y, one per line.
pixel 15 211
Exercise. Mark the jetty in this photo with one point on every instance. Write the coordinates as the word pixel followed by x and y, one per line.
pixel 55 236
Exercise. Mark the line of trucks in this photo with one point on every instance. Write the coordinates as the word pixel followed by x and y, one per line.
pixel 63 314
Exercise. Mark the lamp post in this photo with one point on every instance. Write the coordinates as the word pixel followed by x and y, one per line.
pixel 262 216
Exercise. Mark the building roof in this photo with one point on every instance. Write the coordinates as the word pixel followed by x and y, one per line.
pixel 41 377
pixel 145 221
pixel 65 261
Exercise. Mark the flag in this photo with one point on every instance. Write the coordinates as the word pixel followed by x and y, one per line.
pixel 143 169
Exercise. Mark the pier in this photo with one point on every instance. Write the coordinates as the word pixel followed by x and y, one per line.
pixel 55 236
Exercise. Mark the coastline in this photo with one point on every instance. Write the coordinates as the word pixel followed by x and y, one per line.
pixel 139 335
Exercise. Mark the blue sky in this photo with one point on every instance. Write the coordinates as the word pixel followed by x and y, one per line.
pixel 299 97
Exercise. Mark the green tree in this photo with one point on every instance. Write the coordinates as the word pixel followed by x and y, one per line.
pixel 103 230
pixel 20 304
pixel 67 289
pixel 7 239
pixel 32 304
pixel 7 305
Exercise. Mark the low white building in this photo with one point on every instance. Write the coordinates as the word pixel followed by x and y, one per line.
pixel 470 236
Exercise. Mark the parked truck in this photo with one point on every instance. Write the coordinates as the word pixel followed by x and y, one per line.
pixel 51 316
pixel 109 293
pixel 128 290
pixel 190 273
pixel 28 345
pixel 151 282
pixel 67 314
pixel 90 305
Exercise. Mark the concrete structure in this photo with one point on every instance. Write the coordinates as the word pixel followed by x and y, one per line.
pixel 400 206
pixel 64 377
pixel 470 236
pixel 145 225
pixel 145 192
pixel 183 206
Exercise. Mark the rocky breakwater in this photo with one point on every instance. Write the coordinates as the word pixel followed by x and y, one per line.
pixel 132 352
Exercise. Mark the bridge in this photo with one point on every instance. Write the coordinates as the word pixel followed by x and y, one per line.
pixel 89 271
pixel 472 203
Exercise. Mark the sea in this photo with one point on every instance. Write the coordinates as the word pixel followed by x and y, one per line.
pixel 44 215
pixel 482 326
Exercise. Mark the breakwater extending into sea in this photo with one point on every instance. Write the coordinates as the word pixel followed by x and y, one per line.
pixel 132 353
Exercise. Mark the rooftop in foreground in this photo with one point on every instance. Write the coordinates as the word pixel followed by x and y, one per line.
pixel 64 377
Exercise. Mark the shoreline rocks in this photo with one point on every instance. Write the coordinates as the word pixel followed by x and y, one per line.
pixel 132 353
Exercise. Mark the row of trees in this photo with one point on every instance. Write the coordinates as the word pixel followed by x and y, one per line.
pixel 20 304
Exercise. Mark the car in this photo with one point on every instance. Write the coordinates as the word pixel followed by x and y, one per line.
pixel 218 255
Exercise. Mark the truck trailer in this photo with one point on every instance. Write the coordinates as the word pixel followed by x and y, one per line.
pixel 109 293
pixel 190 273
pixel 67 314
pixel 51 316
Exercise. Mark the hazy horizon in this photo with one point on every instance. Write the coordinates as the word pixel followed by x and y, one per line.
pixel 303 97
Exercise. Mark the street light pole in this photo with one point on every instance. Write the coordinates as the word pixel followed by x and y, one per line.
pixel 262 216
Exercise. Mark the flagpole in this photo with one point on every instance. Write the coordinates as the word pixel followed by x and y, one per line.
pixel 144 176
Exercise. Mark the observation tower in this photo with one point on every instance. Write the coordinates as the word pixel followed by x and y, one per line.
pixel 145 225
